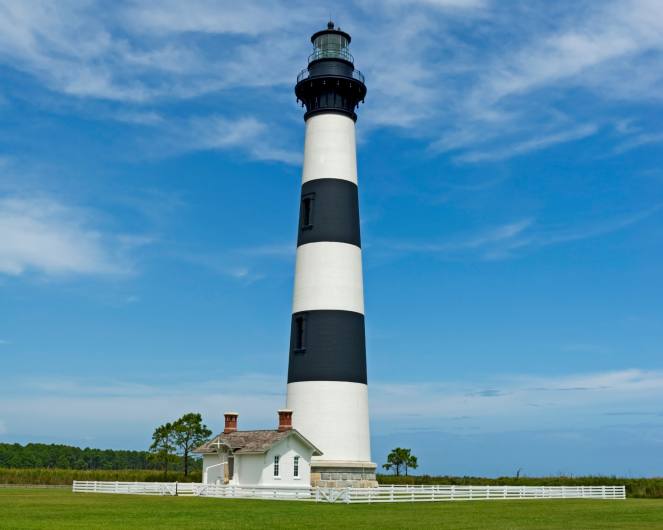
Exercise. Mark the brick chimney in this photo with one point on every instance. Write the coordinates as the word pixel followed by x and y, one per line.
pixel 231 422
pixel 285 420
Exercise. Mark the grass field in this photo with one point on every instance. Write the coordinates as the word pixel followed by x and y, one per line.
pixel 53 509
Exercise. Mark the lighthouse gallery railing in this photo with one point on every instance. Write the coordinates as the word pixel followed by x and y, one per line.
pixel 305 74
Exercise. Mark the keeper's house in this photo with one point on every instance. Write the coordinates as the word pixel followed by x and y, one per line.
pixel 281 457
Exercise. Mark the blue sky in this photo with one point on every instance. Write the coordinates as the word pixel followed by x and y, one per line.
pixel 511 190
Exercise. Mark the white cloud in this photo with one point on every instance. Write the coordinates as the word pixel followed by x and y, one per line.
pixel 443 4
pixel 139 117
pixel 96 408
pixel 281 250
pixel 248 17
pixel 515 89
pixel 527 146
pixel 247 134
pixel 638 141
pixel 486 239
pixel 62 44
pixel 139 53
pixel 83 407
pixel 48 237
pixel 246 264
pixel 512 239
pixel 441 70
pixel 615 31
pixel 519 402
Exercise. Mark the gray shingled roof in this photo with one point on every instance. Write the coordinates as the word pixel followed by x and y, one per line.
pixel 251 441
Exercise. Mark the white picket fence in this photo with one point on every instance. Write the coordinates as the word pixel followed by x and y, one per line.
pixel 356 495
pixel 137 488
pixel 467 493
pixel 192 489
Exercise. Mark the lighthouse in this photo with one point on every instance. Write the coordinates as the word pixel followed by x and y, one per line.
pixel 327 383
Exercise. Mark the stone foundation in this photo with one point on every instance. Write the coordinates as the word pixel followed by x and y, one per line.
pixel 343 477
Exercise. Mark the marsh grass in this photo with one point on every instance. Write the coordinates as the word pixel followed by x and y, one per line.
pixel 66 476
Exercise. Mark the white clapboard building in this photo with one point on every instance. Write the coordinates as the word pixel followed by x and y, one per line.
pixel 271 458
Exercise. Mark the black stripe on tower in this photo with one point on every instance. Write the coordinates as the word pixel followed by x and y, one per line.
pixel 327 345
pixel 329 211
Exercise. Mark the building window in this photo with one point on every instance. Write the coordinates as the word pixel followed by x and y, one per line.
pixel 276 466
pixel 307 211
pixel 300 334
pixel 295 469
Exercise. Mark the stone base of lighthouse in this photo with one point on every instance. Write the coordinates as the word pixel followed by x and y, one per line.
pixel 343 474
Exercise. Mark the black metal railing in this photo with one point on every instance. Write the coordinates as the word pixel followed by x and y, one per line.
pixel 305 74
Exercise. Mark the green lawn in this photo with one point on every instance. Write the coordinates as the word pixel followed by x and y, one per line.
pixel 52 509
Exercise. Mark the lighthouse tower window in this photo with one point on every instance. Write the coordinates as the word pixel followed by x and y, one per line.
pixel 307 211
pixel 300 334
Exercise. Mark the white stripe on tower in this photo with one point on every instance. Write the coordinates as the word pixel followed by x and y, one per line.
pixel 329 148
pixel 336 413
pixel 328 275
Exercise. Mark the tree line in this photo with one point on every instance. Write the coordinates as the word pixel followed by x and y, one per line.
pixel 171 448
pixel 39 455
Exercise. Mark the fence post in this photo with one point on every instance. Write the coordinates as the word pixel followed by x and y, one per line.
pixel 603 492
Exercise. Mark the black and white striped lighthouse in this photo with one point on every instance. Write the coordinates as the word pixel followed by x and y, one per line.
pixel 327 385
